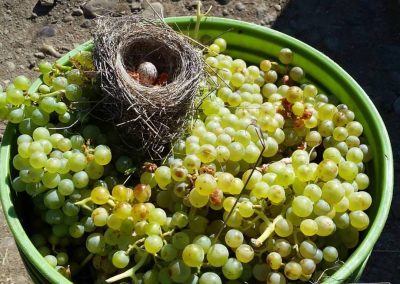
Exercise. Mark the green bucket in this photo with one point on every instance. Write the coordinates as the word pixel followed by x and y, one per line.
pixel 251 43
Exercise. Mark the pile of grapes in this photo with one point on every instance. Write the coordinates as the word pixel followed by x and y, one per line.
pixel 267 184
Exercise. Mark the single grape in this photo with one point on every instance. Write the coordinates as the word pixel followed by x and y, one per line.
pixel 244 253
pixel 210 278
pixel 283 247
pixel 293 270
pixel 180 240
pixel 217 255
pixel 100 195
pixel 274 260
pixel 325 226
pixel 285 56
pixel 142 192
pixel 276 278
pixel 80 179
pixel 302 206
pixel 95 243
pixel 307 266
pixel 203 241
pixel 51 259
pixel 193 255
pixel 205 184
pixel 309 227
pixel 234 238
pixel 359 220
pixel 120 259
pixel 283 228
pixel 168 252
pixel 330 254
pixel 153 244
pixel 179 272
pixel 197 200
pixel 232 269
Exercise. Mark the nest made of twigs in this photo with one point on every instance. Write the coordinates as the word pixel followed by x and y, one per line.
pixel 149 116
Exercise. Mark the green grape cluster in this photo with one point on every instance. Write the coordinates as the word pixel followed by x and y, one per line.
pixel 268 184
pixel 278 164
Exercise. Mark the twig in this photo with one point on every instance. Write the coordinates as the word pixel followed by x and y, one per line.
pixel 5 257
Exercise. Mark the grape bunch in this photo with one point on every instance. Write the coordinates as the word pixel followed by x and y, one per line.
pixel 267 184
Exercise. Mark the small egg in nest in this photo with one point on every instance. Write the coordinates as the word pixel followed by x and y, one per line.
pixel 147 73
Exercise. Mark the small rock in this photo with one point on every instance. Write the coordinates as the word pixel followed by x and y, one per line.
pixel 260 12
pixel 277 7
pixel 155 10
pixel 39 55
pixel 46 31
pixel 49 49
pixel 225 12
pixel 95 8
pixel 10 66
pixel 223 2
pixel 32 63
pixel 77 12
pixel 269 19
pixel 68 18
pixel 47 3
pixel 240 6
pixel 86 24
pixel 33 15
pixel 136 7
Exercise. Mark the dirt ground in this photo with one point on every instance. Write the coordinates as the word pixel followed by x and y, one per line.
pixel 363 36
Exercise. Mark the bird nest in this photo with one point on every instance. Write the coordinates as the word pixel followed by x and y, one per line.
pixel 150 114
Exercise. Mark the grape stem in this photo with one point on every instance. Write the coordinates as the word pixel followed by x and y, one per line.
pixel 268 231
pixel 296 242
pixel 62 67
pixel 135 245
pixel 251 223
pixel 83 203
pixel 169 233
pixel 262 216
pixel 86 260
pixel 53 94
pixel 264 167
pixel 311 151
pixel 199 16
pixel 111 202
pixel 130 272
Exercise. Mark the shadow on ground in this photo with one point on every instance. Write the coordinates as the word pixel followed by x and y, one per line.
pixel 364 38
